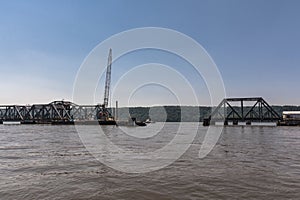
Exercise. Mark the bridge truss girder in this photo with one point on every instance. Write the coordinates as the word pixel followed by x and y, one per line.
pixel 54 111
pixel 259 111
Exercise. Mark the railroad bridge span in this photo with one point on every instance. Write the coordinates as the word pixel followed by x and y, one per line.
pixel 235 110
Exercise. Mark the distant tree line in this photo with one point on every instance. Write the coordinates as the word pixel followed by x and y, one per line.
pixel 178 113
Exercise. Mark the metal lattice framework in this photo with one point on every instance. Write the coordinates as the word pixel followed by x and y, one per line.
pixel 259 111
pixel 107 80
pixel 56 111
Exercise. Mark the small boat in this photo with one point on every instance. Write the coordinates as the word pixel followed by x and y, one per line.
pixel 138 123
pixel 131 122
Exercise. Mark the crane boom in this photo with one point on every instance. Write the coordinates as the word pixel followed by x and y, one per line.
pixel 107 80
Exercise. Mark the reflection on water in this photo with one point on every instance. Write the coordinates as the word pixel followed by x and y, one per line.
pixel 48 162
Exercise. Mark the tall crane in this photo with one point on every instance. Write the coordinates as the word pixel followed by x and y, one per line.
pixel 104 116
pixel 107 80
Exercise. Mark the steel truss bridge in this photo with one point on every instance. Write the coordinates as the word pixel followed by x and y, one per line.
pixel 234 110
pixel 56 112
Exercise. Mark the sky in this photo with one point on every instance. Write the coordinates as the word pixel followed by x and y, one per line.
pixel 254 43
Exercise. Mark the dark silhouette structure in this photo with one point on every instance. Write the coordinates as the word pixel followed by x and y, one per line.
pixel 258 111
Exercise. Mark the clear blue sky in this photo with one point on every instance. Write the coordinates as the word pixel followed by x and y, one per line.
pixel 255 43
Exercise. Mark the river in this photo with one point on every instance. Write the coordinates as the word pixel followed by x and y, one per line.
pixel 248 162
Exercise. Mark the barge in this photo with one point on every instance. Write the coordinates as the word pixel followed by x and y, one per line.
pixel 290 118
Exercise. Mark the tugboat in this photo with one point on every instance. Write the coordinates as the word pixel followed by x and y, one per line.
pixel 138 123
pixel 131 122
